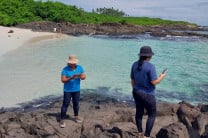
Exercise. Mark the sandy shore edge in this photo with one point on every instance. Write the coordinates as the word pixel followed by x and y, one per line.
pixel 12 38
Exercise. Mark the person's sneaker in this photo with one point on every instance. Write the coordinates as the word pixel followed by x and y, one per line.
pixel 62 124
pixel 77 119
pixel 137 134
pixel 140 134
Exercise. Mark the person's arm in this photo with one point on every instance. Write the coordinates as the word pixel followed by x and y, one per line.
pixel 65 79
pixel 82 76
pixel 160 78
pixel 132 83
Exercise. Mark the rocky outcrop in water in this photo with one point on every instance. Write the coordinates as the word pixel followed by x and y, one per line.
pixel 115 29
pixel 105 118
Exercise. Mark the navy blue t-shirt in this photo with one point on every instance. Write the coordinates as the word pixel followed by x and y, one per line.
pixel 144 77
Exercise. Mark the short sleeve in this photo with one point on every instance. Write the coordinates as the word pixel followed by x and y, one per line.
pixel 153 73
pixel 132 74
pixel 64 72
pixel 81 69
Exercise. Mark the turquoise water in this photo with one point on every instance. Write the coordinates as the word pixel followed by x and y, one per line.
pixel 33 71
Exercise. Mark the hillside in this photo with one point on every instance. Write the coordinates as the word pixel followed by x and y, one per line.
pixel 15 12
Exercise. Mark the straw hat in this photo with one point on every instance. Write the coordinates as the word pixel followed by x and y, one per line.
pixel 146 51
pixel 73 59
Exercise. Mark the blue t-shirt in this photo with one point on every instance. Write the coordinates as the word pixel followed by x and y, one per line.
pixel 142 79
pixel 74 84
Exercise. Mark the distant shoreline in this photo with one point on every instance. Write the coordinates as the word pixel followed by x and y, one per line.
pixel 38 31
pixel 116 29
pixel 13 38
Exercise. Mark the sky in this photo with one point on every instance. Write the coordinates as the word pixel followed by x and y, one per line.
pixel 181 10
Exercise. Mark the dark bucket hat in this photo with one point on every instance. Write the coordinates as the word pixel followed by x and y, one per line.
pixel 146 51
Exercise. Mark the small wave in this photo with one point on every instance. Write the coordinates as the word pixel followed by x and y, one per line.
pixel 175 96
pixel 148 36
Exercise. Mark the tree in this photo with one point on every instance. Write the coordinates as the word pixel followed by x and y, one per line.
pixel 109 11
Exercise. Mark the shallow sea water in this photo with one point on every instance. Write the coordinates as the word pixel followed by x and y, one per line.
pixel 33 71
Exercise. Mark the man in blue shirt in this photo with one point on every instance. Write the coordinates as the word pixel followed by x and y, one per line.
pixel 143 80
pixel 71 76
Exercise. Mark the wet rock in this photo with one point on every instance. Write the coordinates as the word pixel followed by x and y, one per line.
pixel 164 109
pixel 187 111
pixel 11 31
pixel 175 130
pixel 203 108
pixel 200 123
pixel 111 120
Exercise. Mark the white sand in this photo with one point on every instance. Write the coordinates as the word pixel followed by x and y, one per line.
pixel 13 41
pixel 19 37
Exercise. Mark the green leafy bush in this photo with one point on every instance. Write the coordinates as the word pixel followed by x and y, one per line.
pixel 13 12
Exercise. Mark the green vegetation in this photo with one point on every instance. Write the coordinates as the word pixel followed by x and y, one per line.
pixel 109 11
pixel 13 12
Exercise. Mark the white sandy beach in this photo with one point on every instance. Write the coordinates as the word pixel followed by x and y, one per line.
pixel 19 37
pixel 12 41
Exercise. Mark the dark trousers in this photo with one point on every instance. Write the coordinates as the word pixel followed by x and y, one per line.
pixel 66 101
pixel 148 102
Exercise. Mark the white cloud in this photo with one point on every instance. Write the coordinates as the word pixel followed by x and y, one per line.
pixel 187 10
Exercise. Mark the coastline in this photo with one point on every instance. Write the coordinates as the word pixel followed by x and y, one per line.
pixel 13 38
pixel 102 116
pixel 116 29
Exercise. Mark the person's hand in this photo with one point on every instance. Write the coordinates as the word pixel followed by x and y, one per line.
pixel 82 76
pixel 76 76
pixel 162 75
pixel 157 81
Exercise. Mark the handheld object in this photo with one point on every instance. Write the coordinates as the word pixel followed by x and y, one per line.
pixel 164 70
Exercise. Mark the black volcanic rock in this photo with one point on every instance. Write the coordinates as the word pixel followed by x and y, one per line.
pixel 113 119
pixel 115 29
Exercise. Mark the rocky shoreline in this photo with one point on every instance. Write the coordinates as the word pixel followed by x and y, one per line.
pixel 103 117
pixel 116 29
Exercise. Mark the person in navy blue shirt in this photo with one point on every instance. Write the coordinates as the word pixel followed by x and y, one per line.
pixel 143 80
pixel 71 76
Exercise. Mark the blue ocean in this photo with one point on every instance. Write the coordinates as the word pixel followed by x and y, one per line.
pixel 33 71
